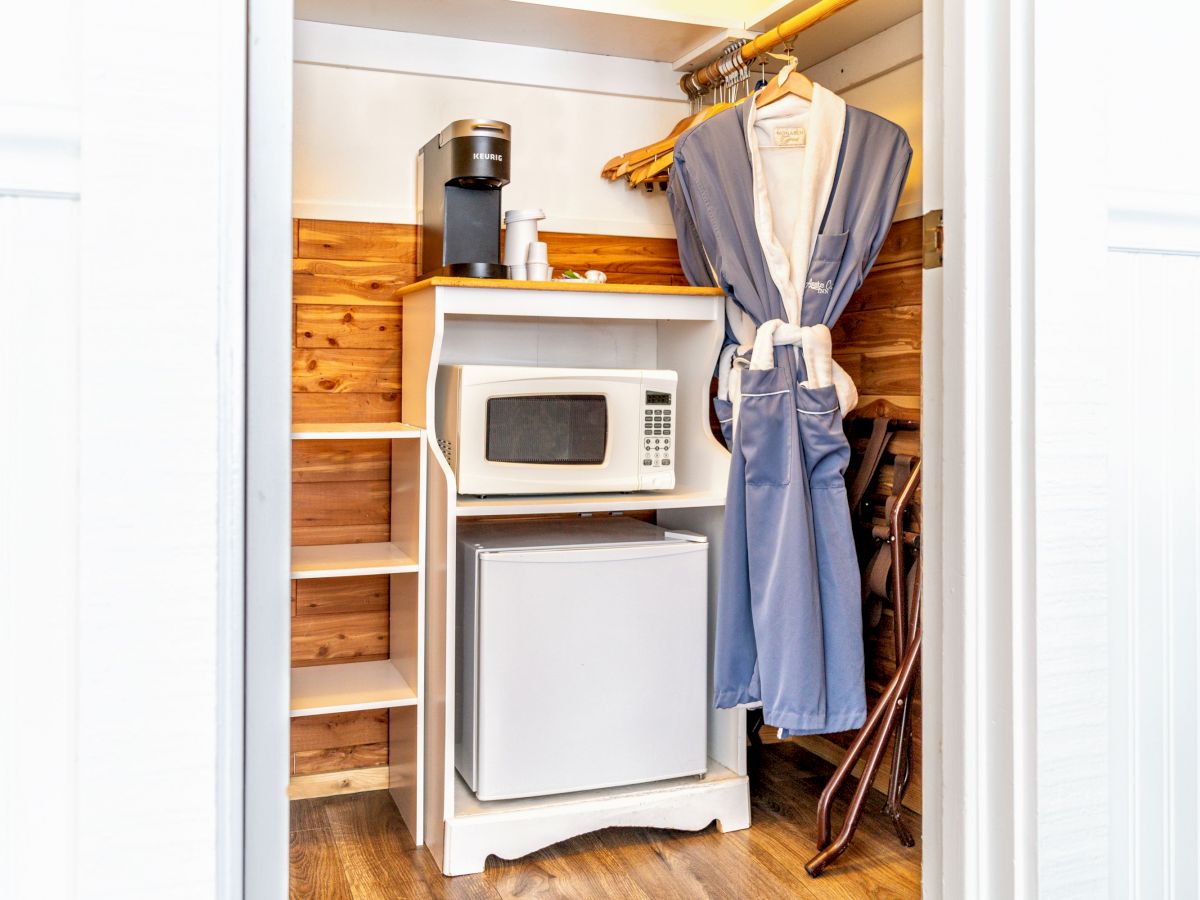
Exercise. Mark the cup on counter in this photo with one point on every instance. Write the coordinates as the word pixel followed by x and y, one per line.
pixel 538 252
pixel 537 267
pixel 520 230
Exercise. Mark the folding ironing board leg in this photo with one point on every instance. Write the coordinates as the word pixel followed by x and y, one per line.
pixel 825 803
pixel 907 672
pixel 901 757
pixel 903 619
pixel 914 630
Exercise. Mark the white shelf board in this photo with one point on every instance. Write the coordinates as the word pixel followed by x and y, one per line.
pixel 348 687
pixel 347 431
pixel 571 503
pixel 334 560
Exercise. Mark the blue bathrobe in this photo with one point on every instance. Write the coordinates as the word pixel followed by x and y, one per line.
pixel 786 212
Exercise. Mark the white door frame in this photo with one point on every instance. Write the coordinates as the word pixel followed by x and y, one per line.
pixel 978 671
pixel 268 445
pixel 978 675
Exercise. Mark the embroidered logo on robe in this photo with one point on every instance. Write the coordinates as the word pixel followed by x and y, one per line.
pixel 821 287
pixel 790 137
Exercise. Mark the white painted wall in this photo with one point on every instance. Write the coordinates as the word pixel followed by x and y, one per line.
pixel 120 236
pixel 896 95
pixel 357 131
pixel 367 100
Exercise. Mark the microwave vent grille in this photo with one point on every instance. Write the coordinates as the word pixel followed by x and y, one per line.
pixel 447 451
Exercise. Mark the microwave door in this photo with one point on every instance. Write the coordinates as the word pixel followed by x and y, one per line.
pixel 538 437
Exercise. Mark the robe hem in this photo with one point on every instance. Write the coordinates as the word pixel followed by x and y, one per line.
pixel 851 722
pixel 794 724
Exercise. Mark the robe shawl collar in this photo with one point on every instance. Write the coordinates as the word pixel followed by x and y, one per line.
pixel 789 266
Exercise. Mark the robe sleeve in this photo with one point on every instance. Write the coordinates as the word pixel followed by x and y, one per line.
pixel 890 200
pixel 691 252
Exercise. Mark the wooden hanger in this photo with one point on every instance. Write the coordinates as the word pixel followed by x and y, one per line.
pixel 789 81
pixel 661 161
pixel 643 153
pixel 644 157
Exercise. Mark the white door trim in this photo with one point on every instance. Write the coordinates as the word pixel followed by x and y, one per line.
pixel 268 445
pixel 979 672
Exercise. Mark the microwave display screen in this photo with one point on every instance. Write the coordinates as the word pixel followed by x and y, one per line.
pixel 551 429
pixel 657 398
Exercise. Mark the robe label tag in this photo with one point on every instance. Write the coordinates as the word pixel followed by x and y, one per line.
pixel 791 137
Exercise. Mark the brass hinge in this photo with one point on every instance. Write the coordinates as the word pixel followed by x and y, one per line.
pixel 932 238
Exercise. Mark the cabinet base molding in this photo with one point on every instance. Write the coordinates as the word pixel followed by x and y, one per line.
pixel 328 784
pixel 513 828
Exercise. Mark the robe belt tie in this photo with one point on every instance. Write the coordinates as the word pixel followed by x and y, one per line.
pixel 814 342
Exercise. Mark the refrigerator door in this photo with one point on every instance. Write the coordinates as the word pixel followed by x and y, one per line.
pixel 592 667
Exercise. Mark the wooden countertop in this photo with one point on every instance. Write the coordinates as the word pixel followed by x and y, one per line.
pixel 578 286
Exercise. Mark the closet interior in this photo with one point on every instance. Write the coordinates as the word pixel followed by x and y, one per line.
pixel 381 534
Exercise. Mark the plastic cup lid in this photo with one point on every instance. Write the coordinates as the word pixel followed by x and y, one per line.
pixel 520 215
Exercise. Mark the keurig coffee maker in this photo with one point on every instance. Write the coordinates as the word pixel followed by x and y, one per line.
pixel 459 176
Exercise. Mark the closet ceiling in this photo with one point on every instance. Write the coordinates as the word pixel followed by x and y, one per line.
pixel 660 30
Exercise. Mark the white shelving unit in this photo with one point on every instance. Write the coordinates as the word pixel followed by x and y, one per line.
pixel 397 683
pixel 454 321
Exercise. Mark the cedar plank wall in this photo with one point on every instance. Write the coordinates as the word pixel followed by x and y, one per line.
pixel 347 369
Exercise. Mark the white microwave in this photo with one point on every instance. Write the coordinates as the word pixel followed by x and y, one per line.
pixel 531 430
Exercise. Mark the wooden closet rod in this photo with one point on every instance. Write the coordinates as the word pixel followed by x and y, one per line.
pixel 696 82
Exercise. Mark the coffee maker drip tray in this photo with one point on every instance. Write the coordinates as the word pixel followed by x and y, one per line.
pixel 474 270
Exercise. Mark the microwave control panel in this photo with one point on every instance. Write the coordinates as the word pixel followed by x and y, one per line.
pixel 658 440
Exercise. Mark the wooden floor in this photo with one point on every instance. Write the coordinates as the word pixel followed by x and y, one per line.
pixel 356 847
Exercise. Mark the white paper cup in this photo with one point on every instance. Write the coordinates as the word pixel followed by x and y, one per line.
pixel 517 273
pixel 520 230
pixel 538 252
pixel 537 271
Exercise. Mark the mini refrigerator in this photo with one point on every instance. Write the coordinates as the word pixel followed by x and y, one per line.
pixel 581 655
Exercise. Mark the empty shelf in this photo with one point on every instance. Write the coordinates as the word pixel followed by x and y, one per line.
pixel 348 431
pixel 333 560
pixel 347 687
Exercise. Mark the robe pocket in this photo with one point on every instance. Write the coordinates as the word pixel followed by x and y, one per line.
pixel 823 269
pixel 766 427
pixel 826 450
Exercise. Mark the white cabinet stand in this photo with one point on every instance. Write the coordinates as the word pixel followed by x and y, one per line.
pixel 454 321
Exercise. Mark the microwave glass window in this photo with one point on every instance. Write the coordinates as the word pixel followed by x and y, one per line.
pixel 656 398
pixel 555 429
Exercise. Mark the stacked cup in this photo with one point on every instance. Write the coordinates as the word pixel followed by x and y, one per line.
pixel 520 230
pixel 537 263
